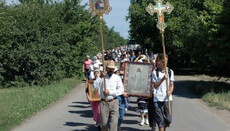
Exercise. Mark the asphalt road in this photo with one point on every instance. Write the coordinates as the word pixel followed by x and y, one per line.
pixel 73 113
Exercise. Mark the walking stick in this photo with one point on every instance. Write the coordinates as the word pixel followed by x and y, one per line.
pixel 159 8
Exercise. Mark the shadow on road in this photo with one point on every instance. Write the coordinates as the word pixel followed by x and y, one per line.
pixel 132 129
pixel 181 89
pixel 85 113
pixel 196 89
pixel 89 127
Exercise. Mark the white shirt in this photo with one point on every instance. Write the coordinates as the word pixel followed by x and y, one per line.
pixel 113 84
pixel 91 75
pixel 160 92
pixel 97 83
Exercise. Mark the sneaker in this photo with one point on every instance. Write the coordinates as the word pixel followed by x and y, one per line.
pixel 97 124
pixel 142 122
pixel 146 121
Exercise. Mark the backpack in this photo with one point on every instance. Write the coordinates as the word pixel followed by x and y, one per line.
pixel 169 72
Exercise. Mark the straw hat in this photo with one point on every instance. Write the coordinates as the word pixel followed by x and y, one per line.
pixel 110 64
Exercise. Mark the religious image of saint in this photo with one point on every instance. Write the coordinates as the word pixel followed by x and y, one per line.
pixel 99 4
pixel 137 79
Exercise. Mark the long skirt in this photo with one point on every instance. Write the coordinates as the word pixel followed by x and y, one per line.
pixel 96 111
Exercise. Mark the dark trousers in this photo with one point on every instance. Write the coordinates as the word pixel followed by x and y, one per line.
pixel 152 119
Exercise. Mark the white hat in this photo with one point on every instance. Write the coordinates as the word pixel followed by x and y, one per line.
pixel 116 69
pixel 94 58
pixel 96 66
pixel 97 62
pixel 144 57
pixel 124 60
pixel 96 70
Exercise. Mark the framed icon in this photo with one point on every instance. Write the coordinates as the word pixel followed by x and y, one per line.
pixel 99 7
pixel 91 93
pixel 137 79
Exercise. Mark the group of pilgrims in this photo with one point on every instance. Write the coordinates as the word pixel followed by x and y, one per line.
pixel 114 100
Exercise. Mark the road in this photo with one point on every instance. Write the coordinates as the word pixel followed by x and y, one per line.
pixel 73 113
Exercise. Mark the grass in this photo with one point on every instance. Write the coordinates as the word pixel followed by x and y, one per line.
pixel 219 100
pixel 16 104
pixel 216 94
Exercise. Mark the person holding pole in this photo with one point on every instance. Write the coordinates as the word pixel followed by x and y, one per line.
pixel 162 96
pixel 109 98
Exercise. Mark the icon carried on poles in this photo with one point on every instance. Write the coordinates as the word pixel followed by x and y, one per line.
pixel 159 8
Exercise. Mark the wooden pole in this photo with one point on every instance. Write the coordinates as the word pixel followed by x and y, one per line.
pixel 165 67
pixel 102 47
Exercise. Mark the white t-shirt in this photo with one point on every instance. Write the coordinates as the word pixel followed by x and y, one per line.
pixel 160 92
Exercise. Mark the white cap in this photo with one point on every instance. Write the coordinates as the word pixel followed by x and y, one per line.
pixel 116 69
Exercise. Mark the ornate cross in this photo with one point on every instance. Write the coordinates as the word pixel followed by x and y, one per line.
pixel 159 8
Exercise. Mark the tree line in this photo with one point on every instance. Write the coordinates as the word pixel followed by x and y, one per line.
pixel 43 41
pixel 197 34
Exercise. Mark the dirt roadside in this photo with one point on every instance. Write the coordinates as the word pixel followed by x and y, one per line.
pixel 224 115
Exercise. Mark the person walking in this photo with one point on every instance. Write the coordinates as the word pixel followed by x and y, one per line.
pixel 109 98
pixel 86 66
pixel 122 99
pixel 161 94
pixel 142 104
pixel 96 104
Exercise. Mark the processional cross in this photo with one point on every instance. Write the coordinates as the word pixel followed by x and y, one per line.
pixel 159 8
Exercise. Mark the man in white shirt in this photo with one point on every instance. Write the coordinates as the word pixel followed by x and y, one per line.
pixel 109 103
pixel 161 95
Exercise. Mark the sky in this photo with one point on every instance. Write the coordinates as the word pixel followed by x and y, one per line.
pixel 116 17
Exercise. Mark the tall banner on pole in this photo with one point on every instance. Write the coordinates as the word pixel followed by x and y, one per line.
pixel 100 7
pixel 159 8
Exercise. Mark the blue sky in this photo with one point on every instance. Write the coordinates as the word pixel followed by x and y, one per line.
pixel 116 17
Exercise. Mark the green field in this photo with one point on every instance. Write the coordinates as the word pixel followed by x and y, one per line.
pixel 19 103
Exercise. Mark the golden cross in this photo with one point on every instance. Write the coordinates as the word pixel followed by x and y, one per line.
pixel 159 8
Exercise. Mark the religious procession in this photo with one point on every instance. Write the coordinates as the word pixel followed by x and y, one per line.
pixel 113 83
pixel 129 73
pixel 114 65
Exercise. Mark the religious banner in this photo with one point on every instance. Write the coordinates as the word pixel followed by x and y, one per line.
pixel 99 7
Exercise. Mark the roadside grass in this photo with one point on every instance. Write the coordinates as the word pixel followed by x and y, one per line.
pixel 17 104
pixel 219 100
pixel 216 94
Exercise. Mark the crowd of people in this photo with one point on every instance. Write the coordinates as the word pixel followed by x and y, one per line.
pixel 114 99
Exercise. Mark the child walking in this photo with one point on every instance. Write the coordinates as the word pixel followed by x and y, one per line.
pixel 142 104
